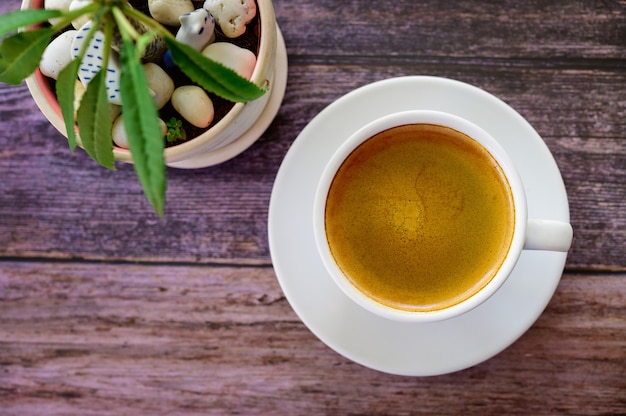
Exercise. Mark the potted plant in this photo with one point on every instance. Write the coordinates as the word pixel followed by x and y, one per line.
pixel 127 35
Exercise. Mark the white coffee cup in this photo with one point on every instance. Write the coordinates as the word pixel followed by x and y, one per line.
pixel 528 234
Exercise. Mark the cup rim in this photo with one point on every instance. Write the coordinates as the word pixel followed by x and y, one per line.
pixel 420 117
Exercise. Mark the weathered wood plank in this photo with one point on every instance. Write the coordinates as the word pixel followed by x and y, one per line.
pixel 83 339
pixel 572 94
pixel 220 212
pixel 565 29
pixel 151 324
pixel 557 29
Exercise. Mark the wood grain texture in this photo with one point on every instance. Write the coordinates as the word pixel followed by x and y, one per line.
pixel 455 29
pixel 219 213
pixel 106 309
pixel 214 340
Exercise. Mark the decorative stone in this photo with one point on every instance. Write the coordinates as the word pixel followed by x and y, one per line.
pixel 57 54
pixel 79 91
pixel 118 132
pixel 197 29
pixel 63 5
pixel 240 60
pixel 153 51
pixel 82 20
pixel 194 105
pixel 232 15
pixel 167 12
pixel 92 62
pixel 116 110
pixel 120 138
pixel 161 85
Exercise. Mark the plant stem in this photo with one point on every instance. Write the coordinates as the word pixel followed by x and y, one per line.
pixel 67 17
pixel 148 21
pixel 126 28
pixel 108 36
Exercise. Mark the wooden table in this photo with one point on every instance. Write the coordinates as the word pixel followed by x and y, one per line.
pixel 107 309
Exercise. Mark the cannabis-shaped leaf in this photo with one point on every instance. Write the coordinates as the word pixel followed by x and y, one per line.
pixel 142 127
pixel 20 54
pixel 211 75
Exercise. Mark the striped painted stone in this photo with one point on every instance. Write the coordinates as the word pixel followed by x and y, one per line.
pixel 92 62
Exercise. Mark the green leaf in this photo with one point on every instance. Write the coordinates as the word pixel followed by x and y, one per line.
pixel 142 43
pixel 145 137
pixel 175 130
pixel 94 121
pixel 20 54
pixel 211 75
pixel 65 95
pixel 19 18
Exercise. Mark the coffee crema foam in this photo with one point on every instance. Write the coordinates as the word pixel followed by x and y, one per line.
pixel 419 217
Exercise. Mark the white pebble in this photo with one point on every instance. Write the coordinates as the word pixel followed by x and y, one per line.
pixel 79 91
pixel 168 11
pixel 161 85
pixel 240 60
pixel 63 5
pixel 79 4
pixel 57 54
pixel 194 105
pixel 120 138
pixel 232 15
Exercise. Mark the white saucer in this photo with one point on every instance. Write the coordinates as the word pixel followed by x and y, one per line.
pixel 404 348
pixel 229 151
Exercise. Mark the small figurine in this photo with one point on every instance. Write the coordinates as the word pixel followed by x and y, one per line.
pixel 197 29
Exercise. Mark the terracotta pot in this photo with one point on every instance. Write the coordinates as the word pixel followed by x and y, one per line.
pixel 235 132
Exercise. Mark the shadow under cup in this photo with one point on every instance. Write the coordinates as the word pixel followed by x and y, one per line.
pixel 420 216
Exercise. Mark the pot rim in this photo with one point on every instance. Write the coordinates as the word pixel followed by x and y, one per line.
pixel 49 106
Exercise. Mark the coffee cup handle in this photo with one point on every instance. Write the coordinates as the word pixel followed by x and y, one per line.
pixel 548 235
